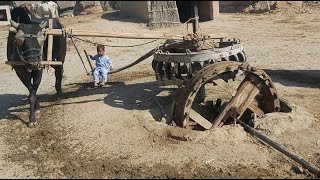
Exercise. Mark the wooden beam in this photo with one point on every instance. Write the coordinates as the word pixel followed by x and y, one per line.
pixel 199 119
pixel 224 85
pixel 88 58
pixel 50 42
pixel 19 63
pixel 60 32
pixel 236 101
pixel 254 108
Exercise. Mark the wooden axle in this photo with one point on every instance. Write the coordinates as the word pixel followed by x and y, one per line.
pixel 53 63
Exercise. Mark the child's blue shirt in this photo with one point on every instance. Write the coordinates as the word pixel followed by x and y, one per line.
pixel 103 61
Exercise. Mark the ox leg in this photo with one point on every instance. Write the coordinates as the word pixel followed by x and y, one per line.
pixel 37 76
pixel 32 101
pixel 58 74
pixel 24 76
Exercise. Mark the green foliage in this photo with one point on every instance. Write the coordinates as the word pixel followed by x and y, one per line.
pixel 110 5
pixel 104 5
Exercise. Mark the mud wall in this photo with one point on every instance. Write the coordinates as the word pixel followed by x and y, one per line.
pixel 135 9
pixel 256 6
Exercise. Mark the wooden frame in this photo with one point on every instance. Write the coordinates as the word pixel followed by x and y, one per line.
pixel 16 63
pixel 49 53
pixel 7 15
pixel 70 32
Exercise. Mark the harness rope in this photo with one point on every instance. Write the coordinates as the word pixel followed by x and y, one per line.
pixel 31 49
pixel 21 54
pixel 122 68
pixel 115 45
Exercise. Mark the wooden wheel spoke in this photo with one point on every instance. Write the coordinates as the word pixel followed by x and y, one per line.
pixel 224 85
pixel 254 108
pixel 238 103
pixel 230 90
pixel 195 116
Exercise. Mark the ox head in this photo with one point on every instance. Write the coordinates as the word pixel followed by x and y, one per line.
pixel 30 39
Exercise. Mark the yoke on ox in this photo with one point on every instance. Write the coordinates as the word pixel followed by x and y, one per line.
pixel 27 50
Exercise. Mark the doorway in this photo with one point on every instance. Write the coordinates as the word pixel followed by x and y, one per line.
pixel 185 10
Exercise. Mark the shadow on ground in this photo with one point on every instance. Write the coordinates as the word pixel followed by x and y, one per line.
pixel 139 96
pixel 118 16
pixel 298 78
pixel 8 101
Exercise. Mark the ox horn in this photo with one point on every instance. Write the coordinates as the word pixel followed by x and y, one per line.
pixel 43 24
pixel 14 24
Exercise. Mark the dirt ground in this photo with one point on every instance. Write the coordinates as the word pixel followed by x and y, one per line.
pixel 115 132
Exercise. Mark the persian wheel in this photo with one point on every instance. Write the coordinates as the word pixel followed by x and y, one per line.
pixel 222 91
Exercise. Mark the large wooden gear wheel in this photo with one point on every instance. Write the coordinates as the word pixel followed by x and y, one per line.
pixel 222 91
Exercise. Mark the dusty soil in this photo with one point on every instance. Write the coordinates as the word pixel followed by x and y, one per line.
pixel 115 132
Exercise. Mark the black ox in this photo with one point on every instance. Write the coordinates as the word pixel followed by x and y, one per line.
pixel 29 45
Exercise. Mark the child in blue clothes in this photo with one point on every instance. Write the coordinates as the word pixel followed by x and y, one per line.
pixel 103 66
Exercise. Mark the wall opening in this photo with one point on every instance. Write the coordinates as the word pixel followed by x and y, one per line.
pixel 185 10
pixel 3 15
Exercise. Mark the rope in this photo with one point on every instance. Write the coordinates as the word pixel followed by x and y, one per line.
pixel 114 45
pixel 188 22
pixel 74 44
pixel 20 55
pixel 200 31
pixel 142 58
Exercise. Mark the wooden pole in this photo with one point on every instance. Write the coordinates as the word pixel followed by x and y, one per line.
pixel 79 56
pixel 113 35
pixel 59 32
pixel 50 41
pixel 195 22
pixel 85 52
pixel 19 63
pixel 313 169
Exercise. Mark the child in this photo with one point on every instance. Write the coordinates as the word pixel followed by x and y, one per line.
pixel 103 66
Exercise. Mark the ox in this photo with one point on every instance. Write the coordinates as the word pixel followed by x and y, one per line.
pixel 49 8
pixel 29 45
